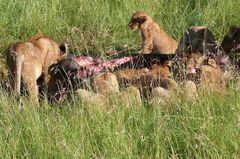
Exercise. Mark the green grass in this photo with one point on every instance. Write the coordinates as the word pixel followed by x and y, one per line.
pixel 101 25
pixel 208 128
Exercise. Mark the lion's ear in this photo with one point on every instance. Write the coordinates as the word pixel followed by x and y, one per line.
pixel 212 63
pixel 142 19
pixel 63 49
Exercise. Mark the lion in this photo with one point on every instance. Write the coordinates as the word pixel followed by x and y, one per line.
pixel 197 39
pixel 142 76
pixel 29 61
pixel 231 41
pixel 231 45
pixel 158 75
pixel 206 73
pixel 202 59
pixel 154 39
pixel 106 83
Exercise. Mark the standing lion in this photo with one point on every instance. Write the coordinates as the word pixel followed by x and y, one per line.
pixel 28 61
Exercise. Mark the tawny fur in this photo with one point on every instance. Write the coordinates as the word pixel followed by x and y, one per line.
pixel 154 39
pixel 143 77
pixel 106 83
pixel 28 61
pixel 147 79
pixel 212 77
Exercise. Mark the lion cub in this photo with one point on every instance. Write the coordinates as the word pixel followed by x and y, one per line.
pixel 154 39
pixel 28 61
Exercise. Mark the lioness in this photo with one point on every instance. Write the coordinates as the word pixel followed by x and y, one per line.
pixel 31 60
pixel 147 78
pixel 207 73
pixel 154 39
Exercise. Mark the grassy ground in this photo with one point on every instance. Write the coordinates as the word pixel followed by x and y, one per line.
pixel 208 128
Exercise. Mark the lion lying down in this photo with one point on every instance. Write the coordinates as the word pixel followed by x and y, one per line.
pixel 200 59
pixel 86 72
pixel 209 73
pixel 152 81
pixel 128 84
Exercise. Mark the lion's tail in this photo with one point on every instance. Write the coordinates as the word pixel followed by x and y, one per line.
pixel 19 61
pixel 15 58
